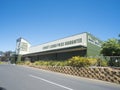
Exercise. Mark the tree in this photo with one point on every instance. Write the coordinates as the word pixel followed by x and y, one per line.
pixel 119 39
pixel 6 56
pixel 1 53
pixel 111 48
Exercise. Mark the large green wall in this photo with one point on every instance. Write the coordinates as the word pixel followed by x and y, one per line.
pixel 93 49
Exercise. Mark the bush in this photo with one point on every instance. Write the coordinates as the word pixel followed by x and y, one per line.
pixel 27 63
pixel 78 61
pixel 37 63
pixel 50 63
pixel 61 63
pixel 20 62
pixel 92 61
pixel 75 61
pixel 102 63
pixel 0 62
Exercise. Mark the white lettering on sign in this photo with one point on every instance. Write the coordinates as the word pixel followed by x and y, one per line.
pixel 94 41
pixel 63 43
pixel 76 40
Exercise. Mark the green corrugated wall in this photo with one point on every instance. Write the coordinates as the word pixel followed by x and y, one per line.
pixel 93 49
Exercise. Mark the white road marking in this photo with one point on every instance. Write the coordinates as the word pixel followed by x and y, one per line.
pixel 50 82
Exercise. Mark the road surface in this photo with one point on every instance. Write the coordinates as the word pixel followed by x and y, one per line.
pixel 14 77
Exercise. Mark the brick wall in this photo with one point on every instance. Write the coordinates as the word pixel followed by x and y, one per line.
pixel 105 74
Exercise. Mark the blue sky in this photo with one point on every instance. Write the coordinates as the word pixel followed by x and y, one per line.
pixel 41 21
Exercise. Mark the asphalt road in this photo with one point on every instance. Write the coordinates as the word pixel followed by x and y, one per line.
pixel 13 77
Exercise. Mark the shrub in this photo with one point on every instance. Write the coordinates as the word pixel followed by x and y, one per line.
pixel 92 61
pixel 78 61
pixel 50 63
pixel 27 63
pixel 61 63
pixel 37 63
pixel 102 62
pixel 75 61
pixel 0 62
pixel 20 62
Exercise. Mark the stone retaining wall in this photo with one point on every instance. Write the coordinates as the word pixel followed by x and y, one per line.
pixel 105 74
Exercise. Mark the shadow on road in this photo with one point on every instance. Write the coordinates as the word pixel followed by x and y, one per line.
pixel 1 88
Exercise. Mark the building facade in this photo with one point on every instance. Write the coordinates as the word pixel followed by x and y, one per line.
pixel 83 44
pixel 22 46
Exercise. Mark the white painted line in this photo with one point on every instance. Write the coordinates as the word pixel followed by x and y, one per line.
pixel 50 82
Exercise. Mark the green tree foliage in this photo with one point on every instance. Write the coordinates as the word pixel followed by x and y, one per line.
pixel 111 48
pixel 119 39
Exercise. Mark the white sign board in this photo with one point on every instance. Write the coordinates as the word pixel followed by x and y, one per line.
pixel 76 40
